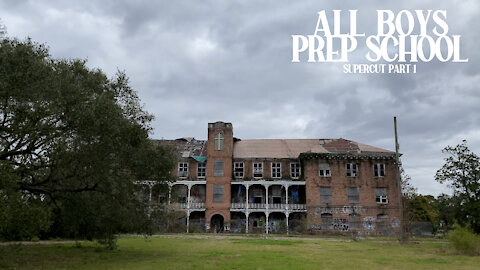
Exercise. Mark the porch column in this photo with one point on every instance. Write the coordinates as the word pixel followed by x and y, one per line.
pixel 266 224
pixel 286 219
pixel 188 219
pixel 246 223
pixel 246 198
pixel 286 196
pixel 169 193
pixel 266 197
pixel 149 192
pixel 189 186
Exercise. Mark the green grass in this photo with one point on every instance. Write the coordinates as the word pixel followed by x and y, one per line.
pixel 185 252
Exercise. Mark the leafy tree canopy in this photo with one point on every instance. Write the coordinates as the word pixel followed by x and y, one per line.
pixel 72 143
pixel 462 172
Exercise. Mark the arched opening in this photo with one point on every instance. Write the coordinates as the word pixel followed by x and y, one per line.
pixel 216 223
pixel 197 222
pixel 256 222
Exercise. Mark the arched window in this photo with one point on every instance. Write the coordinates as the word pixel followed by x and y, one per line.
pixel 219 141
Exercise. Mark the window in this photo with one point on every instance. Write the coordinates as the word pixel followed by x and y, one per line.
pixel 354 221
pixel 381 195
pixel 238 169
pixel 218 168
pixel 382 223
pixel 276 169
pixel 219 141
pixel 201 167
pixel 295 170
pixel 351 169
pixel 327 221
pixel 258 170
pixel 325 194
pixel 182 170
pixel 276 192
pixel 324 169
pixel 379 169
pixel 353 195
pixel 218 193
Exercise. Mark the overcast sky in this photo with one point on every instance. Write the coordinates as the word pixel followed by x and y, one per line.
pixel 194 62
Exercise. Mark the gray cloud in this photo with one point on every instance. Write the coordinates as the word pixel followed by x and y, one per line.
pixel 194 62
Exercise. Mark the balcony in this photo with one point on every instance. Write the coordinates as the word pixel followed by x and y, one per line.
pixel 273 206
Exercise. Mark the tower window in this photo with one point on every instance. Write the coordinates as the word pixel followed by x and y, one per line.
pixel 219 141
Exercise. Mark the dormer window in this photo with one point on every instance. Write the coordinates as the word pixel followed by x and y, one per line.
pixel 219 141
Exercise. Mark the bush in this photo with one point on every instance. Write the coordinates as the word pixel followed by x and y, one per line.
pixel 464 240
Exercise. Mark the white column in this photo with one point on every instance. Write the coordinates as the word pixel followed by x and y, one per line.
pixel 286 219
pixel 246 198
pixel 286 196
pixel 169 193
pixel 266 197
pixel 149 193
pixel 188 219
pixel 246 223
pixel 188 196
pixel 266 225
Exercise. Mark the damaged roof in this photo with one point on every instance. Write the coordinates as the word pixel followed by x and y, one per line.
pixel 186 147
pixel 292 148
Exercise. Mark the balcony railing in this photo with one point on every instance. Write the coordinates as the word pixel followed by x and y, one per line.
pixel 197 205
pixel 281 206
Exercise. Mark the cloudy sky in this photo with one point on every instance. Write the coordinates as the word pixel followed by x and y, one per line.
pixel 195 62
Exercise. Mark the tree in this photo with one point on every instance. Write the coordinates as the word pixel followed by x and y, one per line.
pixel 462 171
pixel 72 144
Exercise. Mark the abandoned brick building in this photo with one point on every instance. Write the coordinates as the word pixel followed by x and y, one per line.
pixel 281 185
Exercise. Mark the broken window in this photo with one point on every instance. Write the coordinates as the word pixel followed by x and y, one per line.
pixel 182 169
pixel 379 169
pixel 258 169
pixel 324 169
pixel 351 169
pixel 276 169
pixel 218 168
pixel 218 193
pixel 201 168
pixel 353 195
pixel 219 141
pixel 238 169
pixel 381 195
pixel 325 194
pixel 327 221
pixel 295 170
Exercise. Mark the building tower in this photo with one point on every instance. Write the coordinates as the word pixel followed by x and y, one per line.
pixel 219 174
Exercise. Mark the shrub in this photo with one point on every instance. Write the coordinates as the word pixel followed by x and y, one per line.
pixel 464 240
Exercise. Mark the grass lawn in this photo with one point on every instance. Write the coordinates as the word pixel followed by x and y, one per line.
pixel 197 252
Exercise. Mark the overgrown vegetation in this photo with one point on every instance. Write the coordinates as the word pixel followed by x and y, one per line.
pixel 72 143
pixel 464 240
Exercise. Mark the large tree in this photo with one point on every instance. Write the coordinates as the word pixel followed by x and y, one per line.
pixel 462 171
pixel 72 143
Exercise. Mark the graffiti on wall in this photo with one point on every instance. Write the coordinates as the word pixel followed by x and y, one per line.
pixel 340 224
pixel 395 223
pixel 347 209
pixel 368 223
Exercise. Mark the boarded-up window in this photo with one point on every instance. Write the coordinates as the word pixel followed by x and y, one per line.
pixel 381 195
pixel 325 194
pixel 218 193
pixel 353 195
pixel 327 221
pixel 354 221
pixel 382 222
pixel 218 168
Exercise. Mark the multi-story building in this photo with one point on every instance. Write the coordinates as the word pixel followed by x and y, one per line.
pixel 282 185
